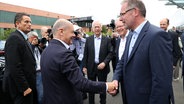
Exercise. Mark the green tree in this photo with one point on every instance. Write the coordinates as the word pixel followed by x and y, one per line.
pixel 104 30
pixel 6 34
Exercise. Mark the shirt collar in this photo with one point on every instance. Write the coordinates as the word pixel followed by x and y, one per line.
pixel 66 45
pixel 23 34
pixel 98 37
pixel 139 28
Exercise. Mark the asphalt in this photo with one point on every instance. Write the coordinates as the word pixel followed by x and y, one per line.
pixel 177 88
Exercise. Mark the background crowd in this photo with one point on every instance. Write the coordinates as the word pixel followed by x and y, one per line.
pixel 65 65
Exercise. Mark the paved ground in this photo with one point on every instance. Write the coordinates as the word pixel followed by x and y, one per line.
pixel 177 86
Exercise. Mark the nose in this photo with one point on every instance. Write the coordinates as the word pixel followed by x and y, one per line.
pixel 29 23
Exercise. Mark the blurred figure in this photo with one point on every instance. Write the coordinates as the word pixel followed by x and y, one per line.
pixel 84 35
pixel 33 39
pixel 78 49
pixel 177 54
pixel 62 78
pixel 119 41
pixel 20 74
pixel 50 36
pixel 43 42
pixel 182 40
pixel 145 68
pixel 97 55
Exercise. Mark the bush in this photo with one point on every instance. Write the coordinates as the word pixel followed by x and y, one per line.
pixel 6 34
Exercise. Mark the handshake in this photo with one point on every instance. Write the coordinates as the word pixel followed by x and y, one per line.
pixel 112 87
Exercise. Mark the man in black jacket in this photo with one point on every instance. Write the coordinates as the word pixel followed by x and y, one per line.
pixel 20 75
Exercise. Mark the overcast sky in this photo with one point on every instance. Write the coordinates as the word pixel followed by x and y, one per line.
pixel 103 10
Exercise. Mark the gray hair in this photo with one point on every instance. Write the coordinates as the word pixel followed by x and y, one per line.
pixel 32 33
pixel 138 4
pixel 96 22
pixel 60 23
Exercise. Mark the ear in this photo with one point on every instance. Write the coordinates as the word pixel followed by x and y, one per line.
pixel 17 23
pixel 137 12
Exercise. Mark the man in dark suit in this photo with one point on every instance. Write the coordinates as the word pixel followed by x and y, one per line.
pixel 120 35
pixel 61 75
pixel 177 54
pixel 145 68
pixel 97 55
pixel 20 74
pixel 119 41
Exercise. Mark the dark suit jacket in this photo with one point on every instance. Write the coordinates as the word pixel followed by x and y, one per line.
pixel 115 46
pixel 20 72
pixel 177 54
pixel 105 55
pixel 62 77
pixel 147 73
pixel 182 40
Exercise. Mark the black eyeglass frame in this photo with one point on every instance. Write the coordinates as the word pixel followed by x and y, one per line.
pixel 122 14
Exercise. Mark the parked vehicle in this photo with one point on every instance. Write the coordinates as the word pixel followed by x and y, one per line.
pixel 2 44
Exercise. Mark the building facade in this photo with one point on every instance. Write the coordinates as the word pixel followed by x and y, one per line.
pixel 39 18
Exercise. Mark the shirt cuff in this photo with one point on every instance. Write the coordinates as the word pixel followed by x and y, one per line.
pixel 106 86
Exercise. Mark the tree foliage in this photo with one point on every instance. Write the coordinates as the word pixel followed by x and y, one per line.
pixel 5 35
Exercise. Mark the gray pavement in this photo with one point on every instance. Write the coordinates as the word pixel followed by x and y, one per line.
pixel 177 86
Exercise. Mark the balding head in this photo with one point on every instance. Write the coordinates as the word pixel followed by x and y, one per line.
pixel 97 28
pixel 44 32
pixel 63 30
pixel 164 23
pixel 120 28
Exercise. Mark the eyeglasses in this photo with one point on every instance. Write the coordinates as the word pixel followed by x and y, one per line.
pixel 122 14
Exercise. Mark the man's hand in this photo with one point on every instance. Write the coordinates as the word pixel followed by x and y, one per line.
pixel 113 92
pixel 111 86
pixel 114 35
pixel 101 66
pixel 85 71
pixel 28 91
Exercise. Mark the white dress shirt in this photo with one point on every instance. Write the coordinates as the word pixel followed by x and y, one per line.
pixel 97 42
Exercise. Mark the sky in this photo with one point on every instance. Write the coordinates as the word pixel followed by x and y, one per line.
pixel 103 10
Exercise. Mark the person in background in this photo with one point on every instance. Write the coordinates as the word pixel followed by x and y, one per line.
pixel 62 78
pixel 182 40
pixel 43 42
pixel 119 41
pixel 20 74
pixel 97 55
pixel 177 54
pixel 145 68
pixel 50 36
pixel 78 45
pixel 84 35
pixel 33 39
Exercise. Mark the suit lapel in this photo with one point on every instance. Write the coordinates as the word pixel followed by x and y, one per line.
pixel 27 43
pixel 138 41
pixel 92 44
pixel 101 45
pixel 127 46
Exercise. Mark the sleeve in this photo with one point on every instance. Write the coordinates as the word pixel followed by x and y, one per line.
pixel 74 75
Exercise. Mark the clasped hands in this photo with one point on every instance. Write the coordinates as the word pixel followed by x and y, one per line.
pixel 112 87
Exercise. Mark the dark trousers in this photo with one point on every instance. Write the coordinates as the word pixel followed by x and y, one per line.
pixel 4 98
pixel 20 99
pixel 101 77
pixel 29 99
